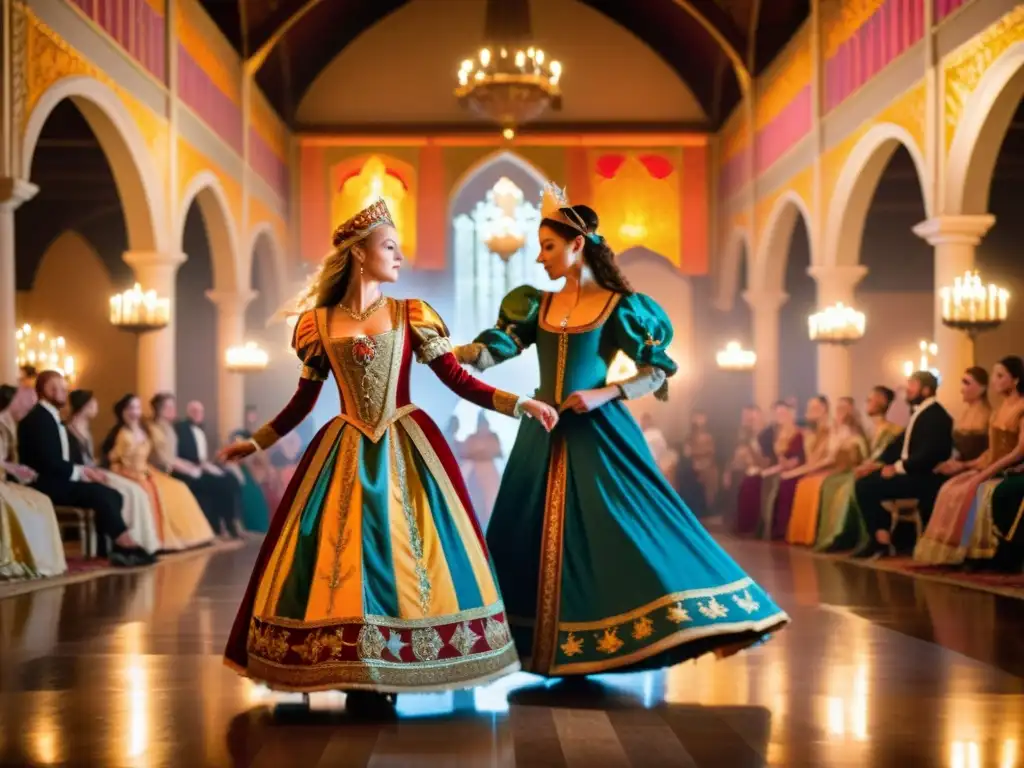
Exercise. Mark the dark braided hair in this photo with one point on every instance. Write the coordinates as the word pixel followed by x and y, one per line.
pixel 599 258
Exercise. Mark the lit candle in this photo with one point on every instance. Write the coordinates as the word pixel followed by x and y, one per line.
pixel 947 304
pixel 992 297
pixel 1003 296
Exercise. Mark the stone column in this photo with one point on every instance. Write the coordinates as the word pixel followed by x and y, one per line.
pixel 231 308
pixel 157 355
pixel 835 370
pixel 764 307
pixel 13 192
pixel 955 239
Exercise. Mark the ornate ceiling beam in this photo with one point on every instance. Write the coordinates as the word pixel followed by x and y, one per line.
pixel 716 22
pixel 255 61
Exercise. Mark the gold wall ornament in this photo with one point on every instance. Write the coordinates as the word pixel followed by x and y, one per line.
pixel 966 66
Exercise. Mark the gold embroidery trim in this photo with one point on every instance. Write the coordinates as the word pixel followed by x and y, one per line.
pixel 391 622
pixel 265 437
pixel 415 538
pixel 545 635
pixel 346 464
pixel 613 302
pixel 311 373
pixel 431 350
pixel 505 402
pixel 434 465
pixel 563 356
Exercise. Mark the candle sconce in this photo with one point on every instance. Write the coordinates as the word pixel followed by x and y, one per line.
pixel 139 312
pixel 973 307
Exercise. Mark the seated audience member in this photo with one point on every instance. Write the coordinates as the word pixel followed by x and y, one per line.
pixel 961 525
pixel 785 451
pixel 699 449
pixel 252 473
pixel 44 445
pixel 482 452
pixel 848 447
pixel 30 543
pixel 138 513
pixel 218 507
pixel 839 521
pixel 906 469
pixel 127 449
pixel 817 442
pixel 194 446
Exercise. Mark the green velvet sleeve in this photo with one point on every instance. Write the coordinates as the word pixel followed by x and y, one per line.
pixel 515 330
pixel 643 332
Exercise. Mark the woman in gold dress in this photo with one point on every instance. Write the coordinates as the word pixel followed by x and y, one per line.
pixel 179 519
pixel 961 523
pixel 373 577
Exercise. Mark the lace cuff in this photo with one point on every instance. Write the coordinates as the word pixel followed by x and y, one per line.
pixel 475 354
pixel 436 347
pixel 648 379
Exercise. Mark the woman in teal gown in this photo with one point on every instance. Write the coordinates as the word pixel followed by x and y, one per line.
pixel 602 566
pixel 255 508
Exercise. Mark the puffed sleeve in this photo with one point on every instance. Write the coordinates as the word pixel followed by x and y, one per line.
pixel 515 330
pixel 309 347
pixel 430 342
pixel 643 332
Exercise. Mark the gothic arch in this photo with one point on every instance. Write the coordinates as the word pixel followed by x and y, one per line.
pixel 481 166
pixel 737 250
pixel 855 189
pixel 264 233
pixel 205 190
pixel 769 266
pixel 138 183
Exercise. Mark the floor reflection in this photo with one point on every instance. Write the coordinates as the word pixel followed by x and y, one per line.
pixel 877 669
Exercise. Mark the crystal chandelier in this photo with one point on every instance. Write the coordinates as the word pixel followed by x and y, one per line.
pixel 139 311
pixel 838 324
pixel 39 352
pixel 504 236
pixel 247 358
pixel 510 81
pixel 973 307
pixel 734 358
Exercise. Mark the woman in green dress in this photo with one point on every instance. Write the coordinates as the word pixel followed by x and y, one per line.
pixel 603 567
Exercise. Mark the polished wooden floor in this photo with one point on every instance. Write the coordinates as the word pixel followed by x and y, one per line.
pixel 876 670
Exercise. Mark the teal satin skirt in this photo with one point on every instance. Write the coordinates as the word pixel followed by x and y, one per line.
pixel 602 566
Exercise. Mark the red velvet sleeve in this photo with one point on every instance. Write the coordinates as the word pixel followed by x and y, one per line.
pixel 298 408
pixel 454 376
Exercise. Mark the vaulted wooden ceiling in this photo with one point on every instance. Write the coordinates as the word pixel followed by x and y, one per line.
pixel 701 40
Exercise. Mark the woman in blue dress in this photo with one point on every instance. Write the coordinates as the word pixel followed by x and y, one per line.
pixel 603 567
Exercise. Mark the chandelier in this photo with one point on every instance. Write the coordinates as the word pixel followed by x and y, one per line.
pixel 734 358
pixel 247 358
pixel 39 352
pixel 504 236
pixel 838 324
pixel 973 307
pixel 139 312
pixel 929 350
pixel 510 81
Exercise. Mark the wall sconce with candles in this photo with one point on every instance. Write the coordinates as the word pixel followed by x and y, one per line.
pixel 973 307
pixel 929 349
pixel 838 324
pixel 734 358
pixel 41 352
pixel 136 311
pixel 246 358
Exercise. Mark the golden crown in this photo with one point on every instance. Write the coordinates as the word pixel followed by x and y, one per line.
pixel 356 227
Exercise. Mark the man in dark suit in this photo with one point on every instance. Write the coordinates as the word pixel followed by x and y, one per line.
pixel 44 446
pixel 906 469
pixel 219 487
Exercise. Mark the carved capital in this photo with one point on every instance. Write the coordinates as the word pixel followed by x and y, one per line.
pixel 15 191
pixel 959 230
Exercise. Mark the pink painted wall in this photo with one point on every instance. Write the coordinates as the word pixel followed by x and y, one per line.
pixel 784 130
pixel 136 26
pixel 734 173
pixel 209 102
pixel 265 162
pixel 891 30
pixel 945 7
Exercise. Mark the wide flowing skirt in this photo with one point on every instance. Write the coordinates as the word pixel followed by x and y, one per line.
pixel 944 541
pixel 374 573
pixel 138 511
pixel 182 523
pixel 841 526
pixel 35 535
pixel 783 508
pixel 602 565
pixel 803 522
pixel 1008 522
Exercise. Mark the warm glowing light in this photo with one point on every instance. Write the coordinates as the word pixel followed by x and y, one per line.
pixel 509 134
pixel 247 358
pixel 838 324
pixel 633 230
pixel 139 311
pixel 37 349
pixel 621 369
pixel 734 358
pixel 504 237
pixel 509 90
pixel 929 350
pixel 968 301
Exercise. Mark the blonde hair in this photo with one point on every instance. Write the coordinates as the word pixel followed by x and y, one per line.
pixel 332 277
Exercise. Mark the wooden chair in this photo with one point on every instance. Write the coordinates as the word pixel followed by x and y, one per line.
pixel 83 522
pixel 904 511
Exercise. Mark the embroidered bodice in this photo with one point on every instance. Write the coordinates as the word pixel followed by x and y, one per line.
pixel 131 451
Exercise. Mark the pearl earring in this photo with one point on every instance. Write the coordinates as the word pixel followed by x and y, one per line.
pixel 360 269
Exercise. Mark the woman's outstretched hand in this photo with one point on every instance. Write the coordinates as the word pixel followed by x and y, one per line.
pixel 542 412
pixel 237 451
pixel 588 400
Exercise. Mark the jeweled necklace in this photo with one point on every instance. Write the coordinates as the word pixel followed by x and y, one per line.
pixel 365 314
